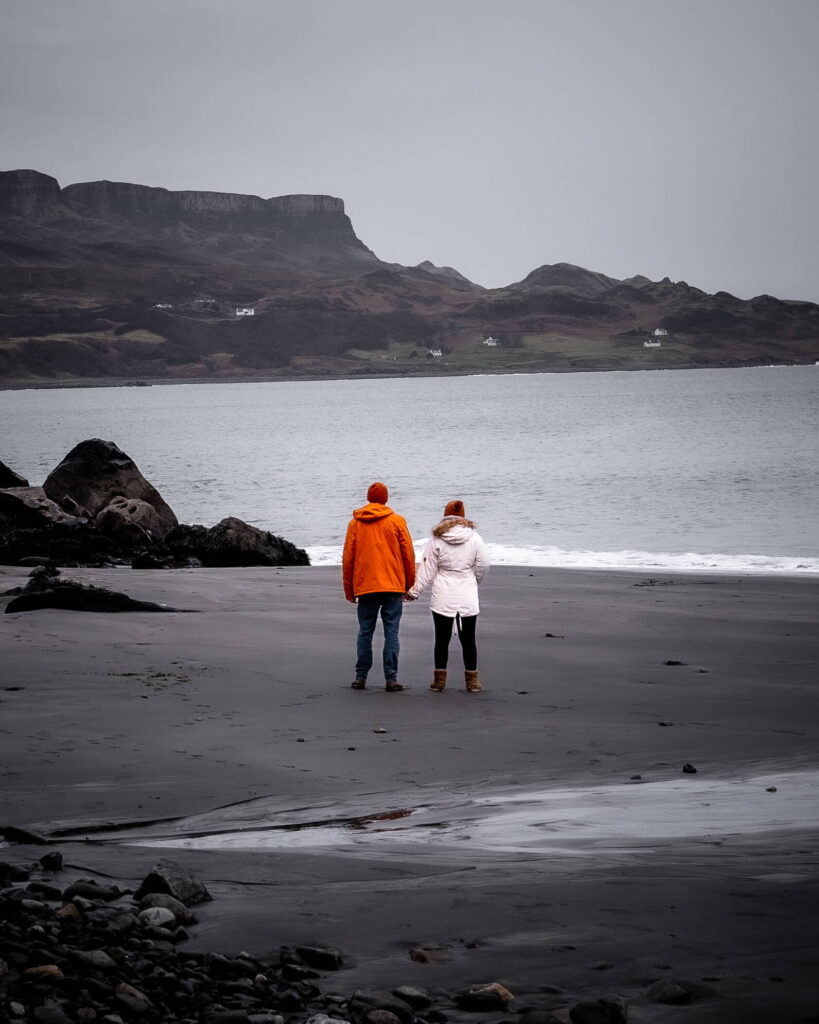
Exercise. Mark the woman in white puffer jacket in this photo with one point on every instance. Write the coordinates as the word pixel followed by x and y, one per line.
pixel 454 562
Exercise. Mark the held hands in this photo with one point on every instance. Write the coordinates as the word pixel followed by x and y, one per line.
pixel 407 598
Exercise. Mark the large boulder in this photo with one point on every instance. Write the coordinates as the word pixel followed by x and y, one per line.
pixel 233 542
pixel 8 478
pixel 94 473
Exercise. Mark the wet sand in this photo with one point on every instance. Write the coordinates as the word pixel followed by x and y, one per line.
pixel 541 834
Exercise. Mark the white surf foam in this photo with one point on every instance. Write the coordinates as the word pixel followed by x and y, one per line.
pixel 639 561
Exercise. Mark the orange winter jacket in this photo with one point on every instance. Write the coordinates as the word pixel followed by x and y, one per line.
pixel 378 553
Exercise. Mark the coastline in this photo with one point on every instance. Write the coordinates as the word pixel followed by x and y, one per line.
pixel 240 712
pixel 283 378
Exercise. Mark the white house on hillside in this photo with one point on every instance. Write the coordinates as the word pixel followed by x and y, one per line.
pixel 245 311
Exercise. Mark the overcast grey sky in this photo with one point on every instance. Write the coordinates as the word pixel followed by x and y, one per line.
pixel 656 137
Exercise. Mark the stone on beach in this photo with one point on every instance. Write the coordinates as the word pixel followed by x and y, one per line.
pixel 170 877
pixel 666 990
pixel 46 589
pixel 492 996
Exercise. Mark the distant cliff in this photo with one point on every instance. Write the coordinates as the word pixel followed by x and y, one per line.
pixel 113 281
pixel 281 226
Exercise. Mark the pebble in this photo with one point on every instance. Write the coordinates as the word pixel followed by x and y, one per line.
pixel 667 991
pixel 91 954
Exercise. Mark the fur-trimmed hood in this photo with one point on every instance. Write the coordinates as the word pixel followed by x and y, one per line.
pixel 454 529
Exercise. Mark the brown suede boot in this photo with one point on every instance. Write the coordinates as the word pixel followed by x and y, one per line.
pixel 471 680
pixel 439 679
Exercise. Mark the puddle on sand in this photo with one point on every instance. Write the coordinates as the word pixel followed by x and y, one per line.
pixel 577 820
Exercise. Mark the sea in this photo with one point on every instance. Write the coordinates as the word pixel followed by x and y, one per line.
pixel 676 470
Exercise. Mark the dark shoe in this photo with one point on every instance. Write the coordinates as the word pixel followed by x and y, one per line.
pixel 359 684
pixel 394 687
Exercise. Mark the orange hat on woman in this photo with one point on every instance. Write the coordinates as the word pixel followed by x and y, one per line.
pixel 454 508
pixel 378 493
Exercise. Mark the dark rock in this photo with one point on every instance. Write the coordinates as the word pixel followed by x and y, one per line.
pixel 12 872
pixel 51 1015
pixel 61 543
pixel 13 834
pixel 423 955
pixel 364 1001
pixel 168 902
pixel 97 959
pixel 8 478
pixel 91 891
pixel 94 472
pixel 158 917
pixel 81 597
pixel 689 769
pixel 609 1010
pixel 222 1016
pixel 233 542
pixel 485 998
pixel 132 999
pixel 418 998
pixel 322 958
pixel 381 1017
pixel 52 861
pixel 169 877
pixel 44 890
pixel 668 991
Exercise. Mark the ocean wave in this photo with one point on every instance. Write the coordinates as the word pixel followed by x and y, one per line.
pixel 639 561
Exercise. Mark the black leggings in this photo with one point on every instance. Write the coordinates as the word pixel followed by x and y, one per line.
pixel 466 634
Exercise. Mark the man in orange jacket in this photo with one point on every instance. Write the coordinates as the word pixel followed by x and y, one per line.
pixel 379 568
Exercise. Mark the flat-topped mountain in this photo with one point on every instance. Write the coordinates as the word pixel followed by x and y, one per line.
pixel 116 281
pixel 302 232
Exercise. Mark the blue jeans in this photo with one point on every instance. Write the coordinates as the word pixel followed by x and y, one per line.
pixel 390 606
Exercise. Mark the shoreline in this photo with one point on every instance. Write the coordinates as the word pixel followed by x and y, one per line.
pixel 239 714
pixel 285 378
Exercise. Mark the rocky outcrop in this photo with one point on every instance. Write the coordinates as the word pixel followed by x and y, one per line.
pixel 27 193
pixel 46 589
pixel 94 474
pixel 232 542
pixel 96 508
pixel 142 204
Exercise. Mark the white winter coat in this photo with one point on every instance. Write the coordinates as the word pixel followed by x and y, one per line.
pixel 454 561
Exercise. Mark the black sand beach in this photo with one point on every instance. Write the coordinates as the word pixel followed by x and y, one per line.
pixel 238 715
